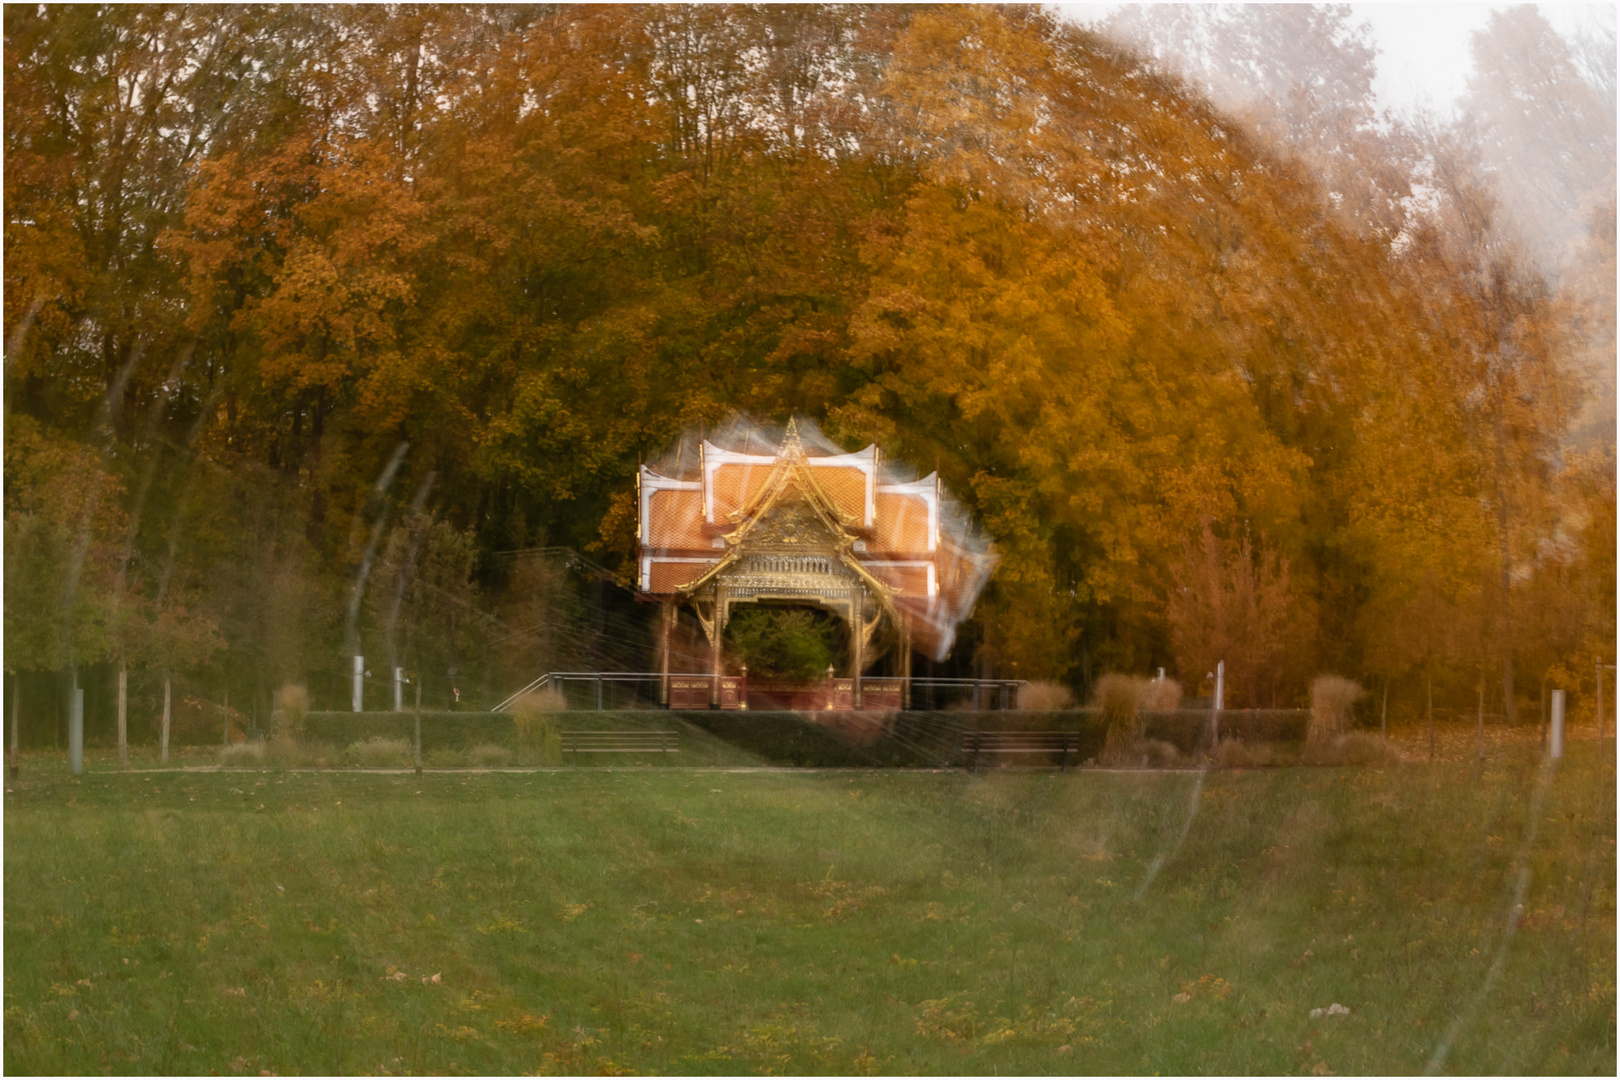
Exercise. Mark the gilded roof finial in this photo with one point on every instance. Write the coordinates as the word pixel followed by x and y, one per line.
pixel 791 446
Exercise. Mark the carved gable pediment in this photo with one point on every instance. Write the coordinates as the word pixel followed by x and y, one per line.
pixel 792 521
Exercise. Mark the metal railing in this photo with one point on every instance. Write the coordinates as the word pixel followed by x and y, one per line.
pixel 927 694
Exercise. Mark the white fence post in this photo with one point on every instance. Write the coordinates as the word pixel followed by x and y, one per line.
pixel 1557 750
pixel 76 732
pixel 359 683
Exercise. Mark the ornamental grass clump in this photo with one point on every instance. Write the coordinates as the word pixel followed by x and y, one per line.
pixel 290 709
pixel 1044 697
pixel 1156 754
pixel 1356 748
pixel 288 752
pixel 1237 754
pixel 489 756
pixel 242 755
pixel 380 753
pixel 539 733
pixel 1120 698
pixel 1160 695
pixel 1331 699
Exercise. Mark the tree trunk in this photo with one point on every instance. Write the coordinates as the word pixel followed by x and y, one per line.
pixel 163 735
pixel 1509 706
pixel 1383 715
pixel 1482 716
pixel 123 713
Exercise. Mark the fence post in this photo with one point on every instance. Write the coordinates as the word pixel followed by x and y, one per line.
pixel 357 691
pixel 16 702
pixel 1557 749
pixel 599 691
pixel 76 732
pixel 417 726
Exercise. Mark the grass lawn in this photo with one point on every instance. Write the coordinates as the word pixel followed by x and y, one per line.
pixel 682 921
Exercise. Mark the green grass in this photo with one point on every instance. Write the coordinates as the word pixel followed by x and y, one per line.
pixel 677 921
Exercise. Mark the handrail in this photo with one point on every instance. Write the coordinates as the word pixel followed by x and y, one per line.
pixel 627 676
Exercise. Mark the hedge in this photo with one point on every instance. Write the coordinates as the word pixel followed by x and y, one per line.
pixel 812 739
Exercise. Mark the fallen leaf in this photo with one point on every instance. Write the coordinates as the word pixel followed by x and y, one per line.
pixel 1182 998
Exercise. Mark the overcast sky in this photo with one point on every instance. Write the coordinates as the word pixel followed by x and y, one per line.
pixel 1423 56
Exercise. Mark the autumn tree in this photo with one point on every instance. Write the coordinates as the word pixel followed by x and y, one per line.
pixel 1228 601
pixel 1111 289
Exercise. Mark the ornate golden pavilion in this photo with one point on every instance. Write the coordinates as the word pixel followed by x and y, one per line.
pixel 751 519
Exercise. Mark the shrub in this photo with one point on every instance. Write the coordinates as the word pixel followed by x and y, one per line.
pixel 291 707
pixel 443 759
pixel 489 756
pixel 286 752
pixel 794 644
pixel 1044 697
pixel 1156 753
pixel 1331 698
pixel 1161 695
pixel 1363 748
pixel 440 728
pixel 242 755
pixel 1119 697
pixel 1357 748
pixel 380 753
pixel 1237 754
pixel 549 700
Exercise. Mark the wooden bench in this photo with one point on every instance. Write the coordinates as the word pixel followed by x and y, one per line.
pixel 620 742
pixel 1021 742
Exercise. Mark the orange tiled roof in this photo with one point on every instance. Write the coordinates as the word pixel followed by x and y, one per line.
pixel 734 484
pixel 905 579
pixel 675 521
pixel 901 524
pixel 845 486
pixel 666 577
